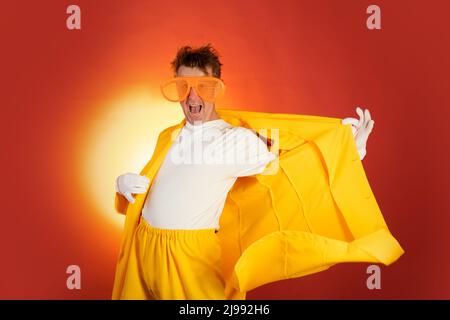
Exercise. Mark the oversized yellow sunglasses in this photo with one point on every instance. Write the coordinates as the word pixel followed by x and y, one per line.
pixel 177 89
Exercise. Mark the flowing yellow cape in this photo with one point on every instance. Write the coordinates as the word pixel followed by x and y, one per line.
pixel 316 211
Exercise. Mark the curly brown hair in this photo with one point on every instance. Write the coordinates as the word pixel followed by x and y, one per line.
pixel 201 58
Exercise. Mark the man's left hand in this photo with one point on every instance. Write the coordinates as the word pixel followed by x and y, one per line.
pixel 361 129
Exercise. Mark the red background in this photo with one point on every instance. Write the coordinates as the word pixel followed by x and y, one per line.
pixel 305 57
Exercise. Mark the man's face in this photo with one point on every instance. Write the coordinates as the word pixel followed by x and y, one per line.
pixel 195 109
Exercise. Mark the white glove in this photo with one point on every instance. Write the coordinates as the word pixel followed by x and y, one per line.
pixel 361 129
pixel 129 183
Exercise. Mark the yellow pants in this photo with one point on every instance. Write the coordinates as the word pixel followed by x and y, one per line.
pixel 174 264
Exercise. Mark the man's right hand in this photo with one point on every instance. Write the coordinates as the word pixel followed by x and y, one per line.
pixel 129 183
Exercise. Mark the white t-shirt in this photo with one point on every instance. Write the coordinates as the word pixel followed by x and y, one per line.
pixel 191 186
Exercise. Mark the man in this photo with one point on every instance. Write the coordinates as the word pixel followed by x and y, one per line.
pixel 201 227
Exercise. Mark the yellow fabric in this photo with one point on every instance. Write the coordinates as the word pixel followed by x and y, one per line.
pixel 316 211
pixel 173 265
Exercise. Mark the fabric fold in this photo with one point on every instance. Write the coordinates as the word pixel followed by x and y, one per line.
pixel 316 210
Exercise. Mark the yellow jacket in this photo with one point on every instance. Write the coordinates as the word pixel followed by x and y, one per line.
pixel 316 211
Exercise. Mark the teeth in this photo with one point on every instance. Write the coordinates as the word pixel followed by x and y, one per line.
pixel 195 105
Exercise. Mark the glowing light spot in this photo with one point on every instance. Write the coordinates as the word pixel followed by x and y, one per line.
pixel 122 140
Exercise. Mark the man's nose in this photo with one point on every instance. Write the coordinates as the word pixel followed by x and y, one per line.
pixel 193 94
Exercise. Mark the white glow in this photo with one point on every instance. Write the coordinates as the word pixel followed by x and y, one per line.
pixel 122 140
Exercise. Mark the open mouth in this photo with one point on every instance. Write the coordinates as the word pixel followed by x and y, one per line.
pixel 194 109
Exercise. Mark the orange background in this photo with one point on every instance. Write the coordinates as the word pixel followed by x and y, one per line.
pixel 70 98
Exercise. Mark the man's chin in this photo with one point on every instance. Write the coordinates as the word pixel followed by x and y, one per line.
pixel 195 117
